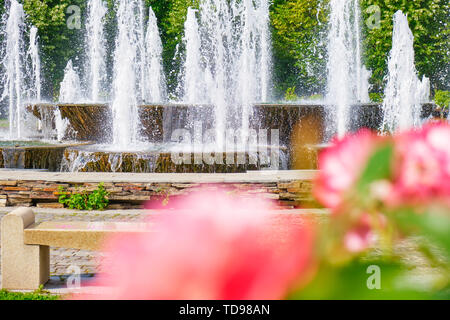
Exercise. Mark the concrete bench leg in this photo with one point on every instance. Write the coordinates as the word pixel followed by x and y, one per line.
pixel 23 267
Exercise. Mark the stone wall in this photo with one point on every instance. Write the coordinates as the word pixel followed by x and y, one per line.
pixel 48 157
pixel 87 122
pixel 44 194
pixel 93 122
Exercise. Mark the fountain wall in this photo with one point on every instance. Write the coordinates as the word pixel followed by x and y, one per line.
pixel 91 122
pixel 42 156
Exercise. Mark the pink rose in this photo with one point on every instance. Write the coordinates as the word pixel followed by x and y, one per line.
pixel 362 235
pixel 422 172
pixel 341 165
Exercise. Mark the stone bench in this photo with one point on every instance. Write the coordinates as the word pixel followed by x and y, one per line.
pixel 25 245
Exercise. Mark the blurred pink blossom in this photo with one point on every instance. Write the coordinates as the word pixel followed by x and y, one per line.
pixel 422 166
pixel 217 246
pixel 341 165
pixel 362 236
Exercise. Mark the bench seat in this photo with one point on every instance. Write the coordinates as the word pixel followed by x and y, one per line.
pixel 78 235
pixel 25 245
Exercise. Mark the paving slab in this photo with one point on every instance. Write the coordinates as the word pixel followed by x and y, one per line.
pixel 64 262
pixel 82 177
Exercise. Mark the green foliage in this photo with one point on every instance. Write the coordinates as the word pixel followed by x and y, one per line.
pixel 442 99
pixel 290 95
pixel 376 97
pixel 316 97
pixel 378 168
pixel 350 282
pixel 433 225
pixel 96 200
pixel 37 295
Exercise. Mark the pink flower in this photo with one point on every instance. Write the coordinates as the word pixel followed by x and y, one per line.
pixel 217 247
pixel 362 236
pixel 341 165
pixel 422 172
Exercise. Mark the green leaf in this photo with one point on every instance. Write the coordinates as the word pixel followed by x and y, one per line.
pixel 432 225
pixel 378 168
pixel 350 282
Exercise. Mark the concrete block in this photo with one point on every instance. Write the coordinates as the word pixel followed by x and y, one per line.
pixel 23 267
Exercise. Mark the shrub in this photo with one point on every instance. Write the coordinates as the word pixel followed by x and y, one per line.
pixel 376 97
pixel 96 200
pixel 290 94
pixel 442 99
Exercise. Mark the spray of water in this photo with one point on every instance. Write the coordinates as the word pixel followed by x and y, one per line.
pixel 154 81
pixel 194 73
pixel 35 70
pixel 70 88
pixel 404 92
pixel 61 125
pixel 347 81
pixel 138 74
pixel 227 60
pixel 126 62
pixel 96 51
pixel 13 62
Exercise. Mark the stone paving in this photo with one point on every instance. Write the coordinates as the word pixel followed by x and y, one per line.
pixel 61 259
pixel 64 262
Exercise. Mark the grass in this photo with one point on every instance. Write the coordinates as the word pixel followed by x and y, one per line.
pixel 4 123
pixel 36 295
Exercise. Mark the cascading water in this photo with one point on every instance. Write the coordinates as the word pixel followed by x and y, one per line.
pixel 61 125
pixel 96 51
pixel 141 51
pixel 227 60
pixel 138 74
pixel 126 62
pixel 404 92
pixel 70 90
pixel 154 81
pixel 13 62
pixel 347 81
pixel 193 75
pixel 35 70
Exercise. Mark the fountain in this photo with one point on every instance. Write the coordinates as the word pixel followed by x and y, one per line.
pixel 70 88
pixel 348 80
pixel 35 70
pixel 154 85
pixel 126 63
pixel 218 119
pixel 193 76
pixel 227 61
pixel 404 93
pixel 13 64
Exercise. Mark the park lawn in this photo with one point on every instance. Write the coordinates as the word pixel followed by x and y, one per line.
pixel 37 295
pixel 4 123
